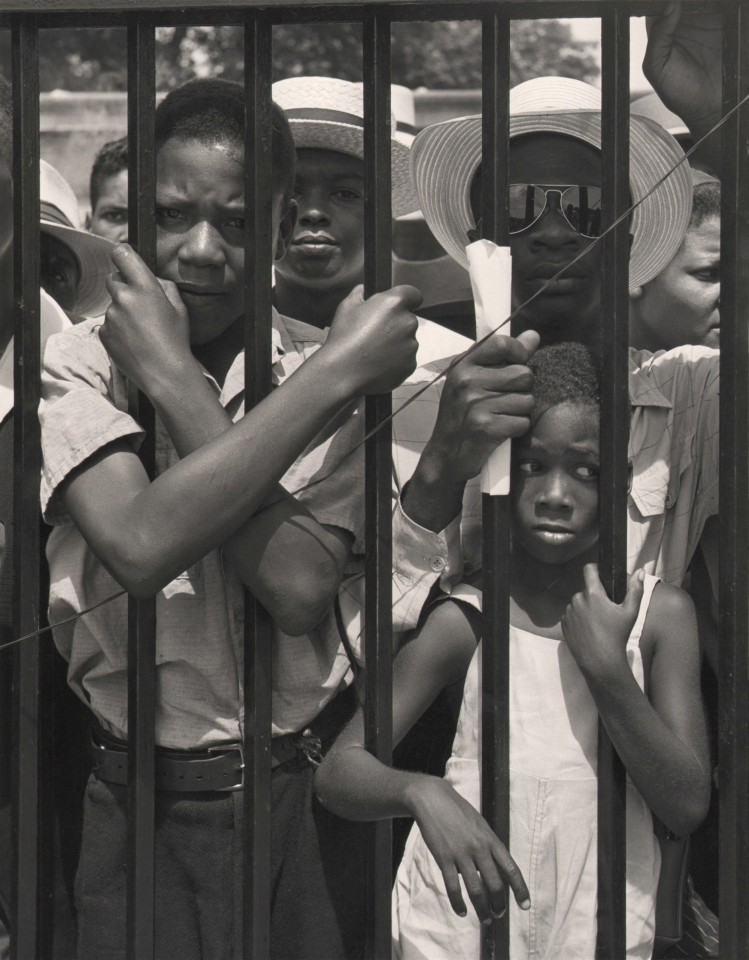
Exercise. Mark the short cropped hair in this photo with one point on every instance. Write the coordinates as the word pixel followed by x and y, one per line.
pixel 6 121
pixel 564 373
pixel 705 202
pixel 212 111
pixel 109 160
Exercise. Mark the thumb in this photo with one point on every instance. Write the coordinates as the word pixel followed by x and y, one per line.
pixel 131 268
pixel 410 297
pixel 635 588
pixel 530 340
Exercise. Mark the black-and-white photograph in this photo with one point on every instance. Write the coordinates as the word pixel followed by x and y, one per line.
pixel 374 542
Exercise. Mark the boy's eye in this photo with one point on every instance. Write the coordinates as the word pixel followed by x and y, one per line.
pixel 168 213
pixel 343 193
pixel 528 466
pixel 236 222
pixel 711 275
pixel 115 216
pixel 586 471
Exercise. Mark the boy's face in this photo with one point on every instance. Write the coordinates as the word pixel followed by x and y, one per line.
pixel 569 308
pixel 682 304
pixel 200 230
pixel 555 484
pixel 327 249
pixel 109 217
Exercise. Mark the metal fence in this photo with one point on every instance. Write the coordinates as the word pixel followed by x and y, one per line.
pixel 32 916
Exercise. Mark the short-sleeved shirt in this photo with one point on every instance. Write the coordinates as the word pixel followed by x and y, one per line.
pixel 674 450
pixel 200 614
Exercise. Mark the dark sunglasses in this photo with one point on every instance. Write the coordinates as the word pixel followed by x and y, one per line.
pixel 579 205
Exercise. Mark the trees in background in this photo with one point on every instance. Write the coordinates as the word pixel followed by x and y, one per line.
pixel 440 55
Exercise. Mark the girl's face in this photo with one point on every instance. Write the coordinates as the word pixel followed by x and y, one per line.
pixel 555 484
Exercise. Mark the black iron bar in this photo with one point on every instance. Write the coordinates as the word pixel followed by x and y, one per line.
pixel 614 436
pixel 495 677
pixel 378 509
pixel 32 823
pixel 734 495
pixel 257 648
pixel 141 613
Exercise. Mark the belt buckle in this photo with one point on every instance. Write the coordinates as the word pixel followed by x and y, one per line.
pixel 223 748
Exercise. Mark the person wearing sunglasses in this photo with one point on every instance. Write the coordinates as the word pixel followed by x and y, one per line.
pixel 557 275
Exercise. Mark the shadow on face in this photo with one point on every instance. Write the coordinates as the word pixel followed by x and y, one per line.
pixel 59 271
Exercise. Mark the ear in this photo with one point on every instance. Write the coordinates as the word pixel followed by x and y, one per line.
pixel 285 230
pixel 635 293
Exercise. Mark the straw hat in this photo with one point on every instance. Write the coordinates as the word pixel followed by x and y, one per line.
pixel 445 156
pixel 328 114
pixel 60 218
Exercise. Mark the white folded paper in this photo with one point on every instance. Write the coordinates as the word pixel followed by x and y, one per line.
pixel 490 269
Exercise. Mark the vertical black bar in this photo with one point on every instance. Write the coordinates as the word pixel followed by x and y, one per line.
pixel 614 436
pixel 495 663
pixel 378 610
pixel 141 613
pixel 734 494
pixel 257 664
pixel 32 813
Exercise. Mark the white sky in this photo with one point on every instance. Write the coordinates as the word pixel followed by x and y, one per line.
pixel 590 29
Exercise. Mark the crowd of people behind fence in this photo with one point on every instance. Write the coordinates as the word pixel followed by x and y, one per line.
pixel 272 500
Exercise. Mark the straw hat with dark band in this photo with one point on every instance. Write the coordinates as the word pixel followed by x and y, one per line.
pixel 60 218
pixel 328 114
pixel 445 157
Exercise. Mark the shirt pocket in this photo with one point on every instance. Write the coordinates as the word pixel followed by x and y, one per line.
pixel 659 461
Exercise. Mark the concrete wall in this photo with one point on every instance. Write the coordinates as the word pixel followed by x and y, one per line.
pixel 75 125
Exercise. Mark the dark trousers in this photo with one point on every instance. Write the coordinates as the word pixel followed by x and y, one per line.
pixel 318 879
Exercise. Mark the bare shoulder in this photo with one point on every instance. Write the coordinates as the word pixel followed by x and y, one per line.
pixel 670 620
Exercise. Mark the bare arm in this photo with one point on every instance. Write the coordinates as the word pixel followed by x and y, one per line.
pixel 146 534
pixel 354 784
pixel 661 739
pixel 290 562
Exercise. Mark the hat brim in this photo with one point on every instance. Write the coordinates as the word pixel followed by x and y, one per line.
pixel 445 157
pixel 94 255
pixel 349 139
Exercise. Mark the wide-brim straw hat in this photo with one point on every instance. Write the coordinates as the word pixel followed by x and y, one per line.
pixel 325 113
pixel 60 217
pixel 445 156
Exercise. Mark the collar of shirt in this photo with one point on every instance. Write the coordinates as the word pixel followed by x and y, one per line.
pixel 52 319
pixel 643 392
pixel 288 341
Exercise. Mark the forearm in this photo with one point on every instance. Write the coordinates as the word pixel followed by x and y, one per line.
pixel 353 784
pixel 429 499
pixel 283 532
pixel 202 500
pixel 664 769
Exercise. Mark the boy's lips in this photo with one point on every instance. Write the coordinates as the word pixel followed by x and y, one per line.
pixel 196 290
pixel 314 241
pixel 553 533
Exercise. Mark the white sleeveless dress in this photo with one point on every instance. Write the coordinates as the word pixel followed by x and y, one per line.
pixel 553 819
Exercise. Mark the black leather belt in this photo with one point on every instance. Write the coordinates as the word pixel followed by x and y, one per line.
pixel 220 767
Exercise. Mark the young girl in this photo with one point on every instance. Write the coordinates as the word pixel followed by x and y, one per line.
pixel 574 656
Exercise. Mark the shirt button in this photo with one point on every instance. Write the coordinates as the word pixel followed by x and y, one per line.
pixel 437 564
